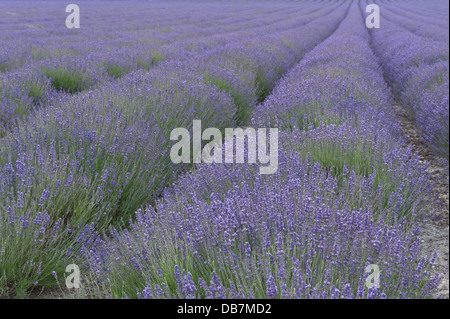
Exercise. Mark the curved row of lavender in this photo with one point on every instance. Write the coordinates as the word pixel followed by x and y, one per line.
pixel 435 13
pixel 87 61
pixel 428 26
pixel 418 70
pixel 432 12
pixel 99 155
pixel 162 23
pixel 28 86
pixel 347 194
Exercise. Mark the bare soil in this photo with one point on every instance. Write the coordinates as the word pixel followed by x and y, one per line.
pixel 435 234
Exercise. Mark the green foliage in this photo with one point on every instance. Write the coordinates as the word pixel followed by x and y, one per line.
pixel 70 81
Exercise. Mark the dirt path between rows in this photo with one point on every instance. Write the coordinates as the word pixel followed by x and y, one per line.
pixel 435 234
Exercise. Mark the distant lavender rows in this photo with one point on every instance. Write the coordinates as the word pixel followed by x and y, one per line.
pixel 160 24
pixel 433 12
pixel 431 26
pixel 97 156
pixel 417 67
pixel 37 84
pixel 347 194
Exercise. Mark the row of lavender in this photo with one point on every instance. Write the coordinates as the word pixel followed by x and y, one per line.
pixel 159 29
pixel 37 83
pixel 431 26
pixel 433 12
pixel 26 86
pixel 99 155
pixel 162 23
pixel 23 93
pixel 417 67
pixel 347 194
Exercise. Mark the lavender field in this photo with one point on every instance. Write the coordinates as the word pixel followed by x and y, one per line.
pixel 88 180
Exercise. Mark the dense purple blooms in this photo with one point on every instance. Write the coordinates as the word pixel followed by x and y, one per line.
pixel 348 193
pixel 416 19
pixel 295 224
pixel 98 155
pixel 86 176
pixel 416 65
pixel 89 59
